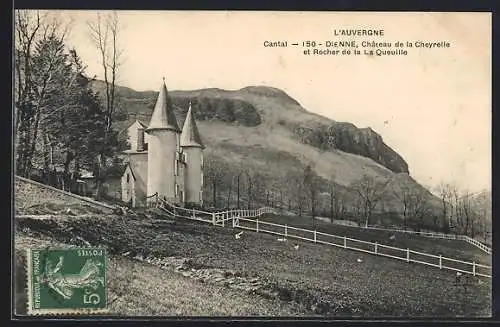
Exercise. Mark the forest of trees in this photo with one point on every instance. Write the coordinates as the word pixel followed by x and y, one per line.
pixel 61 125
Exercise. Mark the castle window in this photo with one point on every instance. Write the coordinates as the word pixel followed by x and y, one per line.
pixel 128 178
pixel 176 189
pixel 176 172
pixel 184 157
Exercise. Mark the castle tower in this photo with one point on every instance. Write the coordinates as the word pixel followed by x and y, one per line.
pixel 162 148
pixel 192 147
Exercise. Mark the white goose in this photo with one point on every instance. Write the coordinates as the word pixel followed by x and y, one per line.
pixel 237 236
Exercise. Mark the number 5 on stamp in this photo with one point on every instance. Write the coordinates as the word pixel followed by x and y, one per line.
pixel 67 281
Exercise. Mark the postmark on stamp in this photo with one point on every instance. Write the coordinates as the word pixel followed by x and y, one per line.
pixel 67 281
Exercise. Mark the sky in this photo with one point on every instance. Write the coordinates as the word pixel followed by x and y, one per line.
pixel 433 106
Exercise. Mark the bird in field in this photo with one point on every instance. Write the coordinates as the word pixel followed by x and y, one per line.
pixel 296 246
pixel 281 239
pixel 459 274
pixel 392 237
pixel 359 260
pixel 237 236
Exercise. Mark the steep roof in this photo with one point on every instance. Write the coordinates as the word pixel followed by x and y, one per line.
pixel 129 167
pixel 141 123
pixel 190 135
pixel 163 115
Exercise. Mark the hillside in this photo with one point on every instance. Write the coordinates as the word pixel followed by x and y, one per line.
pixel 266 130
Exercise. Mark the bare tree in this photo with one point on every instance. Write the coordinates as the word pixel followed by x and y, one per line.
pixel 369 191
pixel 104 32
pixel 444 191
pixel 214 170
pixel 311 187
pixel 337 205
pixel 239 172
pixel 482 208
pixel 456 210
pixel 418 207
pixel 295 190
pixel 403 192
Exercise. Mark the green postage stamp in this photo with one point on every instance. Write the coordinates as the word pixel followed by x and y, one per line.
pixel 67 281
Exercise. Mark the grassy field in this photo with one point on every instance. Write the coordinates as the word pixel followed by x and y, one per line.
pixel 137 289
pixel 312 280
pixel 456 249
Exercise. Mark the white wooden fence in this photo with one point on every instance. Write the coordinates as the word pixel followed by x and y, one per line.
pixel 407 255
pixel 241 218
pixel 215 218
pixel 465 238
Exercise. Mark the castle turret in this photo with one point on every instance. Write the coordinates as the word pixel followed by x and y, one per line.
pixel 162 148
pixel 192 147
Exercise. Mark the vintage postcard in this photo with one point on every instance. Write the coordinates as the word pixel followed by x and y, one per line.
pixel 252 164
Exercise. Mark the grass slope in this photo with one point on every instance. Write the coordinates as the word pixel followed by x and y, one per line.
pixel 138 289
pixel 319 279
pixel 455 249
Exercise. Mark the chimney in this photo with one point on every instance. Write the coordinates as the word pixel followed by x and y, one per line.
pixel 140 138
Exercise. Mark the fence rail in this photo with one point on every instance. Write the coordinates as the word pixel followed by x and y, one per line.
pixel 216 218
pixel 242 219
pixel 407 255
pixel 465 238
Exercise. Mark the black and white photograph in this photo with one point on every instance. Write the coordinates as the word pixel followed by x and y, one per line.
pixel 252 164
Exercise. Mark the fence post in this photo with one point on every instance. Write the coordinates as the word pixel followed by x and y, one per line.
pixel 223 220
pixel 286 231
pixel 345 242
pixel 257 226
pixel 194 216
pixel 213 218
pixel 440 261
pixel 314 236
pixel 474 268
pixel 407 255
pixel 376 247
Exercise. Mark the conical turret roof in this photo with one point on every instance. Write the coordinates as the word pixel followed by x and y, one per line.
pixel 190 135
pixel 163 115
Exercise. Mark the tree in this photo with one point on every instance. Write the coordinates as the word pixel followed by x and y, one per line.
pixel 295 188
pixel 104 32
pixel 403 192
pixel 482 208
pixel 337 205
pixel 214 170
pixel 250 180
pixel 369 192
pixel 37 65
pixel 444 192
pixel 418 207
pixel 311 185
pixel 239 173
